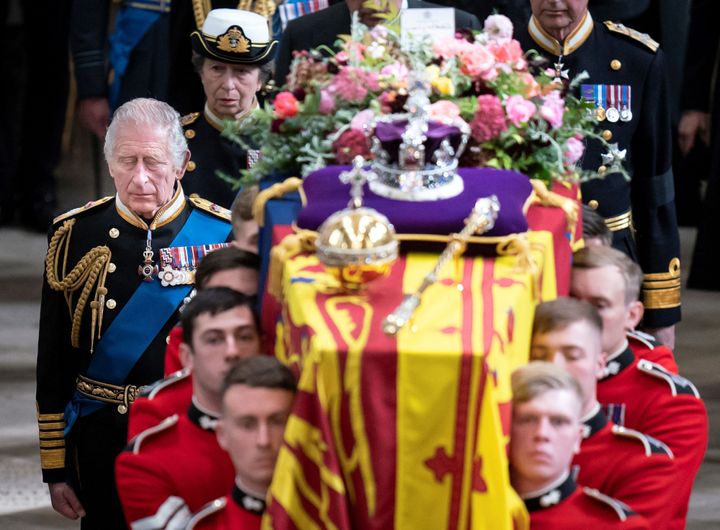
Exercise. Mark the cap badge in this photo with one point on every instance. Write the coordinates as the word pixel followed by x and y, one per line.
pixel 234 41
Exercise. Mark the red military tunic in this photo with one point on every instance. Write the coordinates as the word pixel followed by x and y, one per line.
pixel 172 351
pixel 568 507
pixel 177 459
pixel 238 511
pixel 644 396
pixel 168 396
pixel 629 466
pixel 645 346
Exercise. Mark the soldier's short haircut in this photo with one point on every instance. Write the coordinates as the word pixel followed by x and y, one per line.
pixel 560 313
pixel 213 300
pixel 241 208
pixel 596 257
pixel 538 377
pixel 224 259
pixel 153 114
pixel 260 371
pixel 594 226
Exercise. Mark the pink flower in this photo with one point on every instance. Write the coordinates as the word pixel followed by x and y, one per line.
pixel 362 120
pixel 553 109
pixel 506 51
pixel 532 88
pixel 489 120
pixel 286 105
pixel 498 27
pixel 327 102
pixel 476 59
pixel 450 47
pixel 519 110
pixel 444 109
pixel 573 150
pixel 341 57
pixel 352 84
pixel 396 70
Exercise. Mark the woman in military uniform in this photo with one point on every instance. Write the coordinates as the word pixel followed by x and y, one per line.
pixel 232 54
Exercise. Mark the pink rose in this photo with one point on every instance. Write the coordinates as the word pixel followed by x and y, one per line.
pixel 327 102
pixel 506 51
pixel 553 109
pixel 476 60
pixel 362 120
pixel 519 110
pixel 532 88
pixel 444 109
pixel 489 120
pixel 498 27
pixel 286 105
pixel 397 71
pixel 449 47
pixel 573 150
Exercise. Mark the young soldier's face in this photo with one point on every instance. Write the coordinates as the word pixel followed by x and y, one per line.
pixel 544 437
pixel 576 349
pixel 218 341
pixel 604 288
pixel 251 431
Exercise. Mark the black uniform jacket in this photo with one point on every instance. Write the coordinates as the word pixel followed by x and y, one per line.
pixel 105 239
pixel 641 212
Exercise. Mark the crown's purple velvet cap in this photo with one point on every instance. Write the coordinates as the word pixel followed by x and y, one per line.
pixel 326 194
pixel 390 136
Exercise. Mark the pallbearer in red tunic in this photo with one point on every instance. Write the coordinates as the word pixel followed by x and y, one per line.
pixel 637 392
pixel 624 463
pixel 180 459
pixel 546 433
pixel 256 404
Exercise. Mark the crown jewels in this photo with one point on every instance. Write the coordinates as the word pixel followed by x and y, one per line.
pixel 416 158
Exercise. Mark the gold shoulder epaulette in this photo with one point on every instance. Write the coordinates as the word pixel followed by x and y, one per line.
pixel 650 445
pixel 189 118
pixel 644 38
pixel 210 207
pixel 136 442
pixel 88 206
pixel 622 510
pixel 207 510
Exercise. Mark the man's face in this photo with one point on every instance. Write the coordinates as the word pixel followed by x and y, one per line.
pixel 229 88
pixel 367 14
pixel 143 169
pixel 251 431
pixel 218 341
pixel 576 349
pixel 544 437
pixel 241 279
pixel 604 288
pixel 559 16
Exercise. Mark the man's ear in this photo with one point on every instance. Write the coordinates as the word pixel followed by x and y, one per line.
pixel 183 167
pixel 220 434
pixel 635 311
pixel 601 364
pixel 186 355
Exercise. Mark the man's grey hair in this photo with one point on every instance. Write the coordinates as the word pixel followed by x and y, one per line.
pixel 151 113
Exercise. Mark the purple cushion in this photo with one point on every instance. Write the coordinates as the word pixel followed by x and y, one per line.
pixel 326 194
pixel 390 136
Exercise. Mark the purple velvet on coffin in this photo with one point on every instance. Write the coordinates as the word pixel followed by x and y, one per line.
pixel 390 136
pixel 326 194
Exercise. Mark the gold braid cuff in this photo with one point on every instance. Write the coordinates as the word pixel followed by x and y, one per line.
pixel 273 192
pixel 51 428
pixel 87 275
pixel 661 290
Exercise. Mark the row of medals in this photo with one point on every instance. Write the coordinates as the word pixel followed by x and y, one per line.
pixel 612 114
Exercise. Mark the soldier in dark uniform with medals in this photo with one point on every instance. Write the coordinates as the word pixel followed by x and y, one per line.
pixel 117 270
pixel 627 86
pixel 545 434
pixel 232 55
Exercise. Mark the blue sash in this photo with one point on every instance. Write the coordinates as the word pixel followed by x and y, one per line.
pixel 131 25
pixel 140 320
